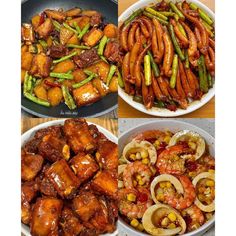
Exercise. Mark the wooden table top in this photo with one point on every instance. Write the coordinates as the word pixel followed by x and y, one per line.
pixel 125 110
pixel 109 124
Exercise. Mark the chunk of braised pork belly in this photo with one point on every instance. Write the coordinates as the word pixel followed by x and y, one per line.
pixel 86 58
pixel 105 183
pixel 85 205
pixel 47 188
pixel 73 12
pixel 41 65
pixel 25 212
pixel 45 28
pixel 70 224
pixel 101 220
pixel 57 15
pixel 78 135
pixel 86 95
pixel 89 232
pixel 29 191
pixel 96 134
pixel 57 51
pixel 31 164
pixel 84 166
pixel 27 33
pixel 92 37
pixel 107 155
pixel 63 179
pixel 45 217
pixel 53 148
pixel 96 19
pixel 112 51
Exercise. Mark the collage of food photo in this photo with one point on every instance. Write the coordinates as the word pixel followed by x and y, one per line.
pixel 117 117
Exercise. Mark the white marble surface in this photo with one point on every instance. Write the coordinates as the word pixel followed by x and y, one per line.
pixel 206 124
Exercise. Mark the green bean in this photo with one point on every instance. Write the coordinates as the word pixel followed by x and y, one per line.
pixel 69 101
pixel 138 99
pixel 38 82
pixel 176 10
pixel 25 85
pixel 61 75
pixel 167 13
pixel 84 31
pixel 186 59
pixel 83 82
pixel 202 74
pixel 158 18
pixel 159 104
pixel 43 43
pixel 77 27
pixel 208 28
pixel 154 65
pixel 33 49
pixel 182 30
pixel 110 74
pixel 202 14
pixel 132 16
pixel 70 28
pixel 156 13
pixel 175 42
pixel 57 25
pixel 147 70
pixel 65 57
pixel 210 81
pixel 104 59
pixel 89 72
pixel 36 100
pixel 77 46
pixel 120 79
pixel 102 44
pixel 174 71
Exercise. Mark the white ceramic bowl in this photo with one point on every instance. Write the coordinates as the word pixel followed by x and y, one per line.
pixel 162 112
pixel 29 135
pixel 173 126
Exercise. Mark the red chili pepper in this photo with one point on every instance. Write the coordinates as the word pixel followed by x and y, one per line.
pixel 42 18
pixel 142 197
pixel 171 107
pixel 52 84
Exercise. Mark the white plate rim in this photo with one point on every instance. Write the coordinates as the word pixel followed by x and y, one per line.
pixel 162 112
pixel 29 134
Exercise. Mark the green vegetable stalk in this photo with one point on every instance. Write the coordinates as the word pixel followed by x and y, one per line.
pixel 120 79
pixel 102 44
pixel 176 10
pixel 65 57
pixel 36 100
pixel 84 31
pixel 110 74
pixel 69 101
pixel 202 74
pixel 61 75
pixel 174 71
pixel 57 25
pixel 70 28
pixel 164 22
pixel 132 16
pixel 147 70
pixel 83 82
pixel 77 46
pixel 154 65
pixel 156 13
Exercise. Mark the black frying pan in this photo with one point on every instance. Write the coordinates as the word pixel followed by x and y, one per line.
pixel 108 8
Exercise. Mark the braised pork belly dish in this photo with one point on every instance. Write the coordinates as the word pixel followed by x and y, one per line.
pixel 168 54
pixel 68 56
pixel 69 181
pixel 166 182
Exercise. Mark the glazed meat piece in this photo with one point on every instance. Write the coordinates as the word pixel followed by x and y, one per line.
pixel 107 155
pixel 27 33
pixel 41 65
pixel 70 223
pixel 78 135
pixel 45 217
pixel 29 191
pixel 105 183
pixel 57 51
pixel 96 19
pixel 53 148
pixel 31 164
pixel 47 188
pixel 87 58
pixel 84 166
pixel 57 15
pixel 63 179
pixel 25 212
pixel 85 95
pixel 85 205
pixel 112 51
pixel 96 134
pixel 45 28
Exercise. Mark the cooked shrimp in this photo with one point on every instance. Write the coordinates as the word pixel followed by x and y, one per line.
pixel 194 216
pixel 136 168
pixel 170 162
pixel 134 210
pixel 187 199
pixel 150 135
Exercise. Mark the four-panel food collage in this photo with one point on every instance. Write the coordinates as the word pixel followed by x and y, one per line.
pixel 117 117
